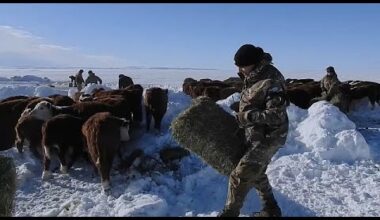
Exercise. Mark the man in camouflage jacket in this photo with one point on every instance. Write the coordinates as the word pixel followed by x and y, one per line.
pixel 334 91
pixel 262 114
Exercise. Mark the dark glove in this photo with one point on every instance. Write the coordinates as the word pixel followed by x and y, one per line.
pixel 240 117
pixel 241 75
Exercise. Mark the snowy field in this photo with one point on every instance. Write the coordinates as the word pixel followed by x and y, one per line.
pixel 329 165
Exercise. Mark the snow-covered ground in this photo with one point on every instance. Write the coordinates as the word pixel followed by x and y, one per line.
pixel 329 166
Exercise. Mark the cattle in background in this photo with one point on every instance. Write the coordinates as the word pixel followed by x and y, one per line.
pixel 365 89
pixel 212 92
pixel 103 134
pixel 155 102
pixel 298 81
pixel 226 92
pixel 124 81
pixel 133 95
pixel 235 82
pixel 187 84
pixel 301 94
pixel 62 135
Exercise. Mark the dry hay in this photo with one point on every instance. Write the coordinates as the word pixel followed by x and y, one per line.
pixel 208 131
pixel 7 186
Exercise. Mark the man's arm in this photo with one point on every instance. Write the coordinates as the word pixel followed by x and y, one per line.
pixel 273 114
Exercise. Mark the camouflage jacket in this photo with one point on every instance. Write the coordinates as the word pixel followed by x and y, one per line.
pixel 79 79
pixel 263 103
pixel 328 84
pixel 93 79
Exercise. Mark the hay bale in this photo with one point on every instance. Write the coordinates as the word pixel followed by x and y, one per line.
pixel 208 131
pixel 7 186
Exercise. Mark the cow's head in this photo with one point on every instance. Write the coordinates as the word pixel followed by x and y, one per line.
pixel 43 111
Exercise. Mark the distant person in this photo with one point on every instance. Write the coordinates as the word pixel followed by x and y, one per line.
pixel 124 81
pixel 92 78
pixel 334 91
pixel 72 81
pixel 79 80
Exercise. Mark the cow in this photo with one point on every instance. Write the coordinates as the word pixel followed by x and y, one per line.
pixel 29 128
pixel 103 134
pixel 301 95
pixel 365 89
pixel 45 110
pixel 133 95
pixel 187 84
pixel 62 135
pixel 10 112
pixel 14 98
pixel 155 103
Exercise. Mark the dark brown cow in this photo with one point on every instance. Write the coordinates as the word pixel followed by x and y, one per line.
pixel 133 95
pixel 298 81
pixel 155 102
pixel 226 92
pixel 62 100
pixel 29 128
pixel 235 82
pixel 62 135
pixel 103 134
pixel 212 92
pixel 14 98
pixel 10 112
pixel 301 95
pixel 186 85
pixel 363 89
pixel 121 105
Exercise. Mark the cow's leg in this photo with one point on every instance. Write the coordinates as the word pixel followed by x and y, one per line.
pixel 46 161
pixel 157 122
pixel 148 118
pixel 62 158
pixel 19 142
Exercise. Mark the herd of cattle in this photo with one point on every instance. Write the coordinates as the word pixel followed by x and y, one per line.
pixel 97 125
pixel 300 92
pixel 93 126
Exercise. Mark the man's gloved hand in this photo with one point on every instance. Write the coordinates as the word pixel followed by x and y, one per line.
pixel 241 75
pixel 241 118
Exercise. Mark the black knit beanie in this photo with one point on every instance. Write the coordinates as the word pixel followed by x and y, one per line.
pixel 330 69
pixel 248 55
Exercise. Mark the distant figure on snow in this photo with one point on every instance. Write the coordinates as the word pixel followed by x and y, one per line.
pixel 92 78
pixel 72 81
pixel 334 91
pixel 79 80
pixel 124 81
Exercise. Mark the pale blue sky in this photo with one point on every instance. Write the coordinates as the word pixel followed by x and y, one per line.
pixel 302 38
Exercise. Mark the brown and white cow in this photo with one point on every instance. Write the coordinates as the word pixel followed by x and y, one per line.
pixel 62 135
pixel 103 134
pixel 45 110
